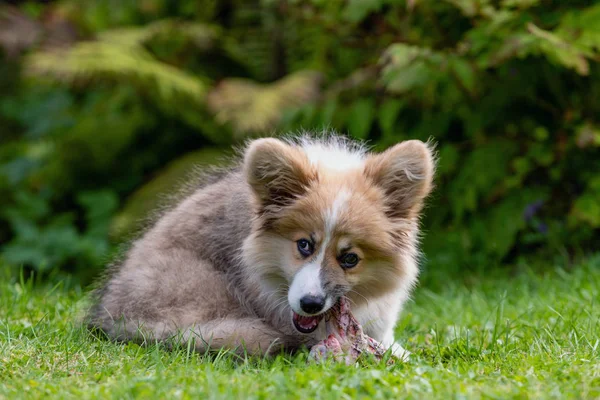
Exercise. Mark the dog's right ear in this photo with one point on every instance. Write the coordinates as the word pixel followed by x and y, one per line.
pixel 277 172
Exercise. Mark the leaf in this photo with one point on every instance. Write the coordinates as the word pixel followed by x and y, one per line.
pixel 400 55
pixel 361 118
pixel 28 207
pixel 505 220
pixel 557 49
pixel 99 207
pixel 586 208
pixel 484 169
pixel 51 245
pixel 448 159
pixel 581 28
pixel 464 73
pixel 388 113
pixel 518 45
pixel 357 10
pixel 408 67
pixel 408 78
pixel 327 113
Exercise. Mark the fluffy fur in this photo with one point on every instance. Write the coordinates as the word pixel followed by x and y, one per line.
pixel 223 268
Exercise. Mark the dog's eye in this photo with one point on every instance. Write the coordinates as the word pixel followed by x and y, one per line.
pixel 305 247
pixel 348 260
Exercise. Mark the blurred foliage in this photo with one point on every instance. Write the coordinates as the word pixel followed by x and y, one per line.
pixel 105 106
pixel 162 189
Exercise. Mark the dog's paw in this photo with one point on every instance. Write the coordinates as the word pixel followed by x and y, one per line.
pixel 400 352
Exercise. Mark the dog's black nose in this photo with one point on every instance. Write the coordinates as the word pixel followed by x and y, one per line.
pixel 312 304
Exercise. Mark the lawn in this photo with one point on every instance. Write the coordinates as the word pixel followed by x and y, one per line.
pixel 529 335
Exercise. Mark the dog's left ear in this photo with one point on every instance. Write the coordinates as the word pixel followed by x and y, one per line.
pixel 405 173
pixel 277 172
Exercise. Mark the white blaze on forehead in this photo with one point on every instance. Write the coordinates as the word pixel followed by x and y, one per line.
pixel 332 215
pixel 335 155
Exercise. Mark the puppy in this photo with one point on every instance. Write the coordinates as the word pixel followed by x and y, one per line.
pixel 254 259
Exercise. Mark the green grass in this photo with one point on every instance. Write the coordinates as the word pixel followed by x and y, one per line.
pixel 534 335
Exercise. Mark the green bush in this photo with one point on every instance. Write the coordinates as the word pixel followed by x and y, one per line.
pixel 97 102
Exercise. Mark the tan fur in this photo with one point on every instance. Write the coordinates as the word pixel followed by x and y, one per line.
pixel 218 266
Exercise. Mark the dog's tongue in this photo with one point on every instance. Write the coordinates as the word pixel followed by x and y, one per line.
pixel 307 324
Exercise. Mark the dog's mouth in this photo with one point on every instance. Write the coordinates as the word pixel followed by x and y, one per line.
pixel 306 324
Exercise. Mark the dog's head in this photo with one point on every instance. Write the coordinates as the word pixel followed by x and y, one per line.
pixel 334 220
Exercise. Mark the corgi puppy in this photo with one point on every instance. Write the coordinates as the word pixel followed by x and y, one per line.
pixel 252 260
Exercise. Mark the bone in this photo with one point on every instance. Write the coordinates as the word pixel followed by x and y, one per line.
pixel 346 341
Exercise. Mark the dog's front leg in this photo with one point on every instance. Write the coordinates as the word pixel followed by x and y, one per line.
pixel 243 336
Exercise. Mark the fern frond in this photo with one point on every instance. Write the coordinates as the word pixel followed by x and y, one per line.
pixel 202 36
pixel 252 107
pixel 87 61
